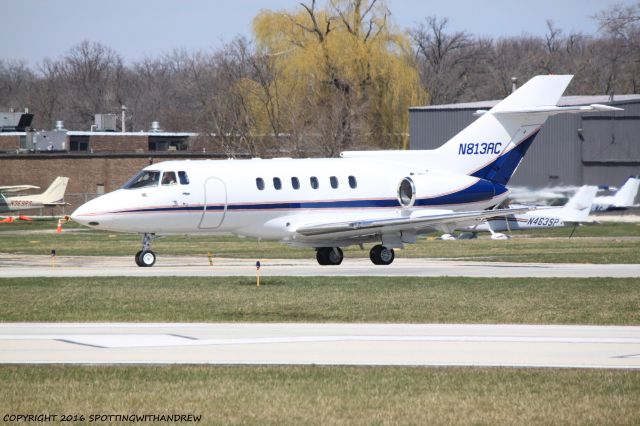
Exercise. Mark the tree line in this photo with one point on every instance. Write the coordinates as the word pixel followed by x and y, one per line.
pixel 318 79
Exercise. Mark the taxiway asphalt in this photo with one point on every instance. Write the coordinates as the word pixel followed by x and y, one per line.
pixel 12 265
pixel 326 344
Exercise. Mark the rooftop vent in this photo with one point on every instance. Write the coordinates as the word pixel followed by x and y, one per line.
pixel 155 126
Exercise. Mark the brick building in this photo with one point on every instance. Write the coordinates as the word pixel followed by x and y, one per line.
pixel 95 162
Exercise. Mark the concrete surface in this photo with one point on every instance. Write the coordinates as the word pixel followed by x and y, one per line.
pixel 12 265
pixel 330 344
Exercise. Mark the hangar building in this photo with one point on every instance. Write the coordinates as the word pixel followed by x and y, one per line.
pixel 571 149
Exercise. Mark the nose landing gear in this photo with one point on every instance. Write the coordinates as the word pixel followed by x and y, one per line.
pixel 146 257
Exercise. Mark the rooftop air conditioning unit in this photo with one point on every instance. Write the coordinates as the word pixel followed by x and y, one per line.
pixel 105 122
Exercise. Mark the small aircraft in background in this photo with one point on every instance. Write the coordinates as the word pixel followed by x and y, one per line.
pixel 549 196
pixel 621 200
pixel 576 211
pixel 53 196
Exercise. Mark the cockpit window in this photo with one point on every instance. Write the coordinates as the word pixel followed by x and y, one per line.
pixel 169 178
pixel 143 179
pixel 184 179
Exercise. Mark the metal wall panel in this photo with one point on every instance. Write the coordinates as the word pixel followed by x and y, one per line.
pixel 430 129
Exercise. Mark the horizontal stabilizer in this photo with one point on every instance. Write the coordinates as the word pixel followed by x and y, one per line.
pixel 17 188
pixel 552 109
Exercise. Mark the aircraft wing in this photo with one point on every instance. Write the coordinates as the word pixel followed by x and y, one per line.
pixel 17 188
pixel 416 224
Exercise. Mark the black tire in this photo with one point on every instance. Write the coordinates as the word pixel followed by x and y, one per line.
pixel 334 256
pixel 381 255
pixel 329 256
pixel 138 258
pixel 147 259
pixel 321 256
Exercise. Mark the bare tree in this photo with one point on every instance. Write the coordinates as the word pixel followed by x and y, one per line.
pixel 92 73
pixel 15 81
pixel 449 63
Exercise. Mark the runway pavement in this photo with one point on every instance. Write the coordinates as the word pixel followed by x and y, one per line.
pixel 329 344
pixel 12 265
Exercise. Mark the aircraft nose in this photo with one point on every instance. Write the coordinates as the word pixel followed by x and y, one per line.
pixel 86 214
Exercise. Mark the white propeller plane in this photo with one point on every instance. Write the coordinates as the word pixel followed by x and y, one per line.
pixel 387 197
pixel 621 200
pixel 53 196
pixel 576 211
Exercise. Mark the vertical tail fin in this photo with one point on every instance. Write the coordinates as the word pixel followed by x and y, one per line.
pixel 625 197
pixel 55 192
pixel 578 207
pixel 492 146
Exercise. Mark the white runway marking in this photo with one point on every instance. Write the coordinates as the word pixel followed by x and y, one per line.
pixel 330 344
pixel 12 266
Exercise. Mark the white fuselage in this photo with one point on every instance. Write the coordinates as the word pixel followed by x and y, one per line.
pixel 222 196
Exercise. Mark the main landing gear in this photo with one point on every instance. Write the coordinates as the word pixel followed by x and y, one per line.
pixel 379 255
pixel 329 255
pixel 146 257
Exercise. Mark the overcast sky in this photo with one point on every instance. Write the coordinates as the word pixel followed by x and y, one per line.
pixel 32 30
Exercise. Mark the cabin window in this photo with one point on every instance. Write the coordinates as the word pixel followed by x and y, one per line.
pixel 314 182
pixel 353 183
pixel 169 178
pixel 184 179
pixel 295 183
pixel 260 183
pixel 277 183
pixel 334 182
pixel 143 179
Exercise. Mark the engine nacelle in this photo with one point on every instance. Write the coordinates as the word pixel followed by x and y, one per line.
pixel 431 189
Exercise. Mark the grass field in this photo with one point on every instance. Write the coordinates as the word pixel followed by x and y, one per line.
pixel 328 395
pixel 607 243
pixel 320 299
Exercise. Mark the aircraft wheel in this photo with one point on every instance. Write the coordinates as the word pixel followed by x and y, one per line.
pixel 321 256
pixel 334 255
pixel 329 255
pixel 138 258
pixel 147 258
pixel 381 255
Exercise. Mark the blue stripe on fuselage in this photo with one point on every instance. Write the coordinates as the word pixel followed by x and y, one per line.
pixel 503 167
pixel 480 191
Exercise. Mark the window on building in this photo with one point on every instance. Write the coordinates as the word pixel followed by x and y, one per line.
pixel 314 182
pixel 353 183
pixel 260 183
pixel 295 183
pixel 78 145
pixel 164 144
pixel 169 178
pixel 277 183
pixel 184 179
pixel 334 182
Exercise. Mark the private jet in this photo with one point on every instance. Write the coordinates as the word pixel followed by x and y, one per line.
pixel 388 198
